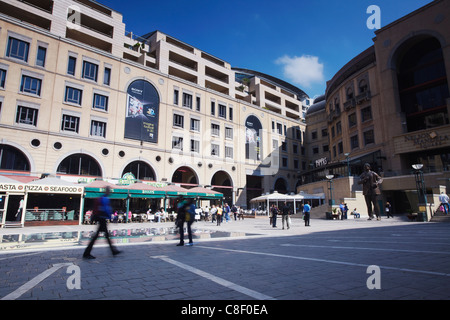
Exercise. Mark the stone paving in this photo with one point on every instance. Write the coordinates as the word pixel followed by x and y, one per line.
pixel 391 259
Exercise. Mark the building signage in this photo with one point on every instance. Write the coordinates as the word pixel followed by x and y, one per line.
pixel 142 112
pixel 22 188
pixel 321 162
pixel 253 137
pixel 427 140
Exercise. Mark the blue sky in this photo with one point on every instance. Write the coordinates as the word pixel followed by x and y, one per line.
pixel 302 42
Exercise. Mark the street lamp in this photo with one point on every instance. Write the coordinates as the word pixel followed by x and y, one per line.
pixel 348 163
pixel 421 191
pixel 330 180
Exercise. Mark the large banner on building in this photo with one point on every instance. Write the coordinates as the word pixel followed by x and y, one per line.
pixel 253 135
pixel 142 113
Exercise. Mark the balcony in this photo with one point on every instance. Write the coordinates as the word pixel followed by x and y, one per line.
pixel 37 20
pixel 364 96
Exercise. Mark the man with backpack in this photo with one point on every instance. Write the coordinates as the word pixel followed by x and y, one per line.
pixel 100 214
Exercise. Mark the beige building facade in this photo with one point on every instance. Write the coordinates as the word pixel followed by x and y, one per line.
pixel 82 99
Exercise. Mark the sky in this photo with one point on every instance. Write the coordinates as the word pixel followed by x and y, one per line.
pixel 302 42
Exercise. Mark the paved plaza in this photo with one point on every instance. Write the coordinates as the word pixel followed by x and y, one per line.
pixel 391 259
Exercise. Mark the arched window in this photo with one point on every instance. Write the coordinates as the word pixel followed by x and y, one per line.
pixel 13 159
pixel 80 164
pixel 423 87
pixel 141 170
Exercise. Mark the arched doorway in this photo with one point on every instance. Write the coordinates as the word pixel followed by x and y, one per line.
pixel 422 83
pixel 81 165
pixel 281 186
pixel 13 159
pixel 221 181
pixel 186 177
pixel 141 170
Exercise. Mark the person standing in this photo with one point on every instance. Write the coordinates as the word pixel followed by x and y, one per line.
pixel 185 213
pixel 219 214
pixel 307 213
pixel 370 181
pixel 213 212
pixel 274 212
pixel 388 209
pixel 285 215
pixel 443 198
pixel 102 212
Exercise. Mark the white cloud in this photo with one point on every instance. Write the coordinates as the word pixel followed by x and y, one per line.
pixel 304 70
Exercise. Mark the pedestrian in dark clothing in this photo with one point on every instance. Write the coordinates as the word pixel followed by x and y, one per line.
pixel 285 215
pixel 101 213
pixel 185 213
pixel 274 211
pixel 389 210
pixel 370 181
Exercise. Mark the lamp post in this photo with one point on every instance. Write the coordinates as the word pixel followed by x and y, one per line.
pixel 348 163
pixel 421 191
pixel 330 181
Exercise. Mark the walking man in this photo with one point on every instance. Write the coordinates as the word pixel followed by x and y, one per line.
pixel 101 213
pixel 285 215
pixel 370 181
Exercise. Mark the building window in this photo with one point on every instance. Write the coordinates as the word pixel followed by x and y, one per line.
pixel 295 148
pixel 178 121
pixel 107 77
pixel 213 108
pixel 73 95
pixel 2 78
pixel 340 148
pixel 338 128
pixel 80 164
pixel 31 85
pixel 90 71
pixel 366 114
pixel 369 137
pixel 26 115
pixel 70 123
pixel 18 49
pixel 284 162
pixel 352 120
pixel 198 104
pixel 229 152
pixel 279 128
pixel 354 143
pixel 41 55
pixel 177 143
pixel 215 129
pixel 324 133
pixel 228 133
pixel 100 102
pixel 315 150
pixel 71 66
pixel 195 125
pixel 98 129
pixel 284 146
pixel 314 135
pixel 176 94
pixel 215 148
pixel 296 164
pixel 222 111
pixel 195 146
pixel 187 100
pixel 230 113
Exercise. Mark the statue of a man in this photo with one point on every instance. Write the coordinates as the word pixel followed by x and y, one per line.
pixel 370 181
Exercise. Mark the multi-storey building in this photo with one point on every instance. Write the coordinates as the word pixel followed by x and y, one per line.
pixel 82 98
pixel 390 106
